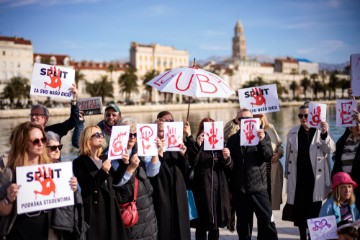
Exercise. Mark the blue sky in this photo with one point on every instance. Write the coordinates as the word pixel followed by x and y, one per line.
pixel 101 30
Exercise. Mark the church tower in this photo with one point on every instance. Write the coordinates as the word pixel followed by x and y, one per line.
pixel 238 43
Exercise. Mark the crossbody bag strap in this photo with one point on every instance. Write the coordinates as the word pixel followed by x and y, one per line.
pixel 136 186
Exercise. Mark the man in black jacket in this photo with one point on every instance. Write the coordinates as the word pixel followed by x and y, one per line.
pixel 40 114
pixel 249 184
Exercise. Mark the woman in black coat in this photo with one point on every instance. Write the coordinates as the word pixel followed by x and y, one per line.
pixel 210 186
pixel 170 198
pixel 141 168
pixel 95 178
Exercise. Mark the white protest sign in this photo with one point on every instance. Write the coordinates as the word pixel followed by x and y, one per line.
pixel 173 132
pixel 52 81
pixel 317 114
pixel 118 141
pixel 322 228
pixel 146 139
pixel 261 99
pixel 355 73
pixel 344 112
pixel 213 135
pixel 90 106
pixel 44 187
pixel 248 131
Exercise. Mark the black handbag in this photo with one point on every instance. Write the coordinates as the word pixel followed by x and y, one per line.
pixel 287 213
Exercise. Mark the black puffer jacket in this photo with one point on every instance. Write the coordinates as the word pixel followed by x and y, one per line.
pixel 146 227
pixel 249 169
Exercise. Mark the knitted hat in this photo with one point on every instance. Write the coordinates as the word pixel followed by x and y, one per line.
pixel 342 178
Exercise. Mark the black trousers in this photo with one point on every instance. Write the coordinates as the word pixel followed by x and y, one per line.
pixel 258 202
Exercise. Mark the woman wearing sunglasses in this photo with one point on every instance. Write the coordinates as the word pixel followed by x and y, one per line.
pixel 139 169
pixel 27 147
pixel 307 169
pixel 95 178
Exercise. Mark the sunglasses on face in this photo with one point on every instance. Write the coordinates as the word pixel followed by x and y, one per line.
pixel 302 115
pixel 132 135
pixel 53 148
pixel 241 118
pixel 98 135
pixel 36 114
pixel 38 140
pixel 166 120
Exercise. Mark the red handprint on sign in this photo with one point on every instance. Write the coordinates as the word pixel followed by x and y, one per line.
pixel 117 146
pixel 212 137
pixel 315 118
pixel 345 113
pixel 249 130
pixel 46 181
pixel 257 94
pixel 172 139
pixel 54 78
pixel 146 133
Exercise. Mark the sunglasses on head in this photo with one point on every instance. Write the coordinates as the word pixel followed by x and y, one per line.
pixel 132 135
pixel 38 140
pixel 98 135
pixel 53 148
pixel 302 115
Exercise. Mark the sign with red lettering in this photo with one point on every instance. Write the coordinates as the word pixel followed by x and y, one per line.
pixel 90 106
pixel 355 73
pixel 213 135
pixel 118 141
pixel 146 139
pixel 317 114
pixel 261 99
pixel 344 113
pixel 44 187
pixel 173 133
pixel 248 131
pixel 52 81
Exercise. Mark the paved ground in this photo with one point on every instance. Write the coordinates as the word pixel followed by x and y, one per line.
pixel 286 230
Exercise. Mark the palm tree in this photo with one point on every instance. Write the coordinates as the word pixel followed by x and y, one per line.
pixel 102 88
pixel 293 72
pixel 148 76
pixel 111 68
pixel 333 82
pixel 280 88
pixel 344 84
pixel 317 87
pixel 258 81
pixel 314 77
pixel 305 83
pixel 293 87
pixel 18 88
pixel 128 83
pixel 79 76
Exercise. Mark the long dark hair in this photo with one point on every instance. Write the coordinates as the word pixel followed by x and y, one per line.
pixel 201 125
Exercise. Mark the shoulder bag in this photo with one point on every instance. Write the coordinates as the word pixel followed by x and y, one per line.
pixel 129 213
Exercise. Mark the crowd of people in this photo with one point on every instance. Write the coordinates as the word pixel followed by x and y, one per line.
pixel 235 181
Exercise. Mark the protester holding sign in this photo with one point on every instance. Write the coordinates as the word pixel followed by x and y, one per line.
pixel 170 197
pixel 27 148
pixel 102 212
pixel 40 114
pixel 307 169
pixel 248 182
pixel 140 168
pixel 209 184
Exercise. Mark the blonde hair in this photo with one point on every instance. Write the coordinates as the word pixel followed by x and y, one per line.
pixel 336 194
pixel 84 142
pixel 18 154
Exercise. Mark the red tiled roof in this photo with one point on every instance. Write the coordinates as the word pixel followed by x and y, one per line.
pixel 90 65
pixel 59 58
pixel 16 40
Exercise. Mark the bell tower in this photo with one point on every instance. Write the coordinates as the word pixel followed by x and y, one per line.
pixel 238 43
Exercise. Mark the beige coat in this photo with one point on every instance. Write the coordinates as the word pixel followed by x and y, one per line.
pixel 276 169
pixel 320 161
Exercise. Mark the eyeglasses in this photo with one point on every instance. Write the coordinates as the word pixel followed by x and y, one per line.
pixel 36 114
pixel 111 114
pixel 132 135
pixel 98 135
pixel 38 140
pixel 302 115
pixel 53 148
pixel 241 118
pixel 166 120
